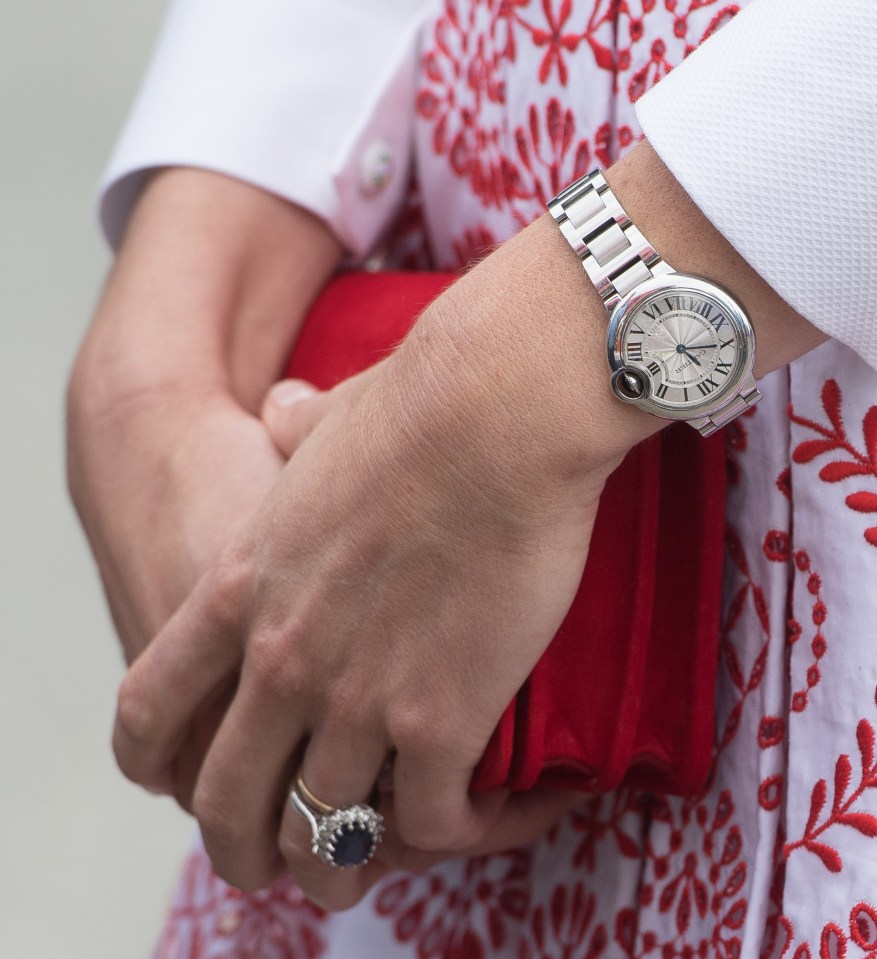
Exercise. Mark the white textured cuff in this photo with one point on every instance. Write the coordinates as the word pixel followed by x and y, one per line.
pixel 771 128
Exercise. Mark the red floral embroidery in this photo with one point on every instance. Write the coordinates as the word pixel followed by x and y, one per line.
pixel 834 439
pixel 841 812
pixel 555 157
pixel 475 918
pixel 777 547
pixel 555 36
pixel 567 923
pixel 604 817
pixel 211 919
pixel 863 927
pixel 835 943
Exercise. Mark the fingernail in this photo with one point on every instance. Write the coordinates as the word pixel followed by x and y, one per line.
pixel 288 392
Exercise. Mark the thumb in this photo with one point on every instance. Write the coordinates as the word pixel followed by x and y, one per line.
pixel 290 411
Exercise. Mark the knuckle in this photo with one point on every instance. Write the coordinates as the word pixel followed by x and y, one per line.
pixel 134 712
pixel 276 666
pixel 218 821
pixel 412 729
pixel 228 589
pixel 349 702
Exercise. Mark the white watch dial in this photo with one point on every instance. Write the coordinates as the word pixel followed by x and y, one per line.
pixel 687 345
pixel 680 345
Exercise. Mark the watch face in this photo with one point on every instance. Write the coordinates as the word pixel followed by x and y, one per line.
pixel 681 341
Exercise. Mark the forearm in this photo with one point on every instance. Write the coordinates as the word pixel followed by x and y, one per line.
pixel 166 460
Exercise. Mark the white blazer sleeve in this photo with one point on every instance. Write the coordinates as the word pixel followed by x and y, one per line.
pixel 309 100
pixel 771 127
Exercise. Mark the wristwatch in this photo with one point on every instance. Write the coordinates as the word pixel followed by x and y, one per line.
pixel 680 346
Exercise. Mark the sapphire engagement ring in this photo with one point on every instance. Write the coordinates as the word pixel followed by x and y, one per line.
pixel 346 836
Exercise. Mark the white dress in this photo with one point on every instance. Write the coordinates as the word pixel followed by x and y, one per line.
pixel 503 103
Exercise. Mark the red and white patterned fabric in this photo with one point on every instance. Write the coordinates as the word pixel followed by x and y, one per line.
pixel 778 855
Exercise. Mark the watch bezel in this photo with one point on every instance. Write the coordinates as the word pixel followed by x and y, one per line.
pixel 630 305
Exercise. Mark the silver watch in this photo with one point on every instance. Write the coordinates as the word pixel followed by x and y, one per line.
pixel 680 346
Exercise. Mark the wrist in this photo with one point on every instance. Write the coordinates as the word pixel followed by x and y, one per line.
pixel 516 351
pixel 210 286
pixel 495 388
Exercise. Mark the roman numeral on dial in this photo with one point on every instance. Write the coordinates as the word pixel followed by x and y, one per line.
pixel 724 368
pixel 707 386
pixel 661 391
pixel 635 351
pixel 653 368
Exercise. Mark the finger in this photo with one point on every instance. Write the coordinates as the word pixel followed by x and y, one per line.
pixel 433 807
pixel 290 411
pixel 526 817
pixel 522 819
pixel 199 738
pixel 245 780
pixel 340 768
pixel 189 663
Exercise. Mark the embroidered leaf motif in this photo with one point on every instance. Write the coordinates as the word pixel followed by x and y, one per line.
pixel 735 883
pixel 626 845
pixel 757 674
pixel 603 55
pixel 810 449
pixel 865 737
pixel 735 609
pixel 835 472
pixel 834 437
pixel 830 857
pixel 736 915
pixel 863 821
pixel 869 428
pixel 761 609
pixel 863 502
pixel 833 944
pixel 817 801
pixel 831 402
pixel 843 772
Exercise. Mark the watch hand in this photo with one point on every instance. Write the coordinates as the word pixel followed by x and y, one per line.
pixel 682 348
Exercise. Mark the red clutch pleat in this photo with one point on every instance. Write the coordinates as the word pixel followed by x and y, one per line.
pixel 625 691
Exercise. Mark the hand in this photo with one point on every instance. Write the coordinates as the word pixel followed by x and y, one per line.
pixel 166 460
pixel 156 529
pixel 393 592
pixel 522 818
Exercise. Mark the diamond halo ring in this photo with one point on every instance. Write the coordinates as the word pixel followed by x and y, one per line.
pixel 343 837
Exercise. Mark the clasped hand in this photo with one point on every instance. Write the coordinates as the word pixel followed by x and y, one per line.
pixel 388 599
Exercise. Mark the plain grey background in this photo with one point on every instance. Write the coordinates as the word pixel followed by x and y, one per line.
pixel 87 861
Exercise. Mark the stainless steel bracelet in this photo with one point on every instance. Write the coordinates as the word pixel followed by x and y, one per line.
pixel 613 252
pixel 707 425
pixel 616 258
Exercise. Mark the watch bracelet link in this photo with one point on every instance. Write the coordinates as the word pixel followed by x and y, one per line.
pixel 707 425
pixel 612 250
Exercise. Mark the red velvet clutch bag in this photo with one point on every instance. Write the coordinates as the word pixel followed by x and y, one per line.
pixel 624 693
